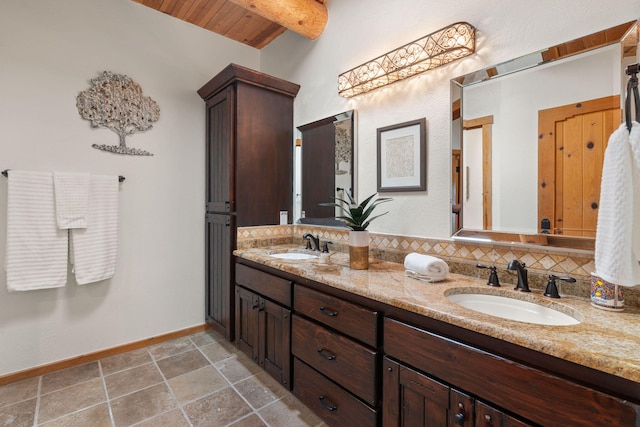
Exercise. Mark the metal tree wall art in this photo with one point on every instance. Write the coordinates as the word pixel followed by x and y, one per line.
pixel 115 102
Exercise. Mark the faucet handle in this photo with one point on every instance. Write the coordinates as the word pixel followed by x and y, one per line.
pixel 325 246
pixel 552 290
pixel 493 276
pixel 308 243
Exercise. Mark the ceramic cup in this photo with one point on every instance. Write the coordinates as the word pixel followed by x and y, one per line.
pixel 606 295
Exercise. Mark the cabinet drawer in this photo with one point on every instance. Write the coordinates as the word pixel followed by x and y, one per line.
pixel 487 416
pixel 546 400
pixel 345 361
pixel 351 319
pixel 272 287
pixel 328 400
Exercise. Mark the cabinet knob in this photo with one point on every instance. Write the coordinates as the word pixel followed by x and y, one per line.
pixel 459 418
pixel 487 418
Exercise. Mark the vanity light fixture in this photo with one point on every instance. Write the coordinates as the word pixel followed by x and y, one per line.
pixel 434 50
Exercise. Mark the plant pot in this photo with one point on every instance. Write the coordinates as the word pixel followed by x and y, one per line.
pixel 359 250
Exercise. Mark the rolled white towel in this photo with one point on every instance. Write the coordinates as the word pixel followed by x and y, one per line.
pixel 427 267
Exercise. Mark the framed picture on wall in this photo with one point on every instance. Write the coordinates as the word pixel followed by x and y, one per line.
pixel 402 155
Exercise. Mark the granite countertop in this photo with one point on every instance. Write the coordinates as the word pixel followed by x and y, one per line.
pixel 603 340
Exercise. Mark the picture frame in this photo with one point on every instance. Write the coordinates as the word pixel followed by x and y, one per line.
pixel 402 150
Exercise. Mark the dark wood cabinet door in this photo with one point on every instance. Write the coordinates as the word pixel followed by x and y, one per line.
pixel 220 152
pixel 264 155
pixel 247 327
pixel 220 239
pixel 411 399
pixel 275 341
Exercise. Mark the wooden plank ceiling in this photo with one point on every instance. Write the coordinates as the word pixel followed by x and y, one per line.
pixel 223 17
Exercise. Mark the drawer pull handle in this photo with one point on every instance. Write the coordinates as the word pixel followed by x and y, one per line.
pixel 328 355
pixel 329 406
pixel 328 313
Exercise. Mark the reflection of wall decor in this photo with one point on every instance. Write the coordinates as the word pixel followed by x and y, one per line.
pixel 343 146
pixel 115 102
pixel 401 157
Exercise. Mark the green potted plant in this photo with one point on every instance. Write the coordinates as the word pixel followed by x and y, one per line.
pixel 358 217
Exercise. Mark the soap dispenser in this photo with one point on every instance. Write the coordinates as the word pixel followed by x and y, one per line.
pixel 493 276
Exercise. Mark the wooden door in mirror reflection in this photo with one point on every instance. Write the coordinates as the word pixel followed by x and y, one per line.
pixel 571 146
pixel 318 173
pixel 456 189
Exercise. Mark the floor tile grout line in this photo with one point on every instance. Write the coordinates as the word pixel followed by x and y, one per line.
pixel 171 390
pixel 106 393
pixel 232 385
pixel 76 411
pixel 37 408
pixel 128 367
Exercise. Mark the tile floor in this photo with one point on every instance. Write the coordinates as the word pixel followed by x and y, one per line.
pixel 199 380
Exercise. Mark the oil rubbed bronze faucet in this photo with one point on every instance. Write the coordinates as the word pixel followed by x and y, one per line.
pixel 312 241
pixel 523 282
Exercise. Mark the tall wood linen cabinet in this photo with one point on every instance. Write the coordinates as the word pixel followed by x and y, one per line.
pixel 249 172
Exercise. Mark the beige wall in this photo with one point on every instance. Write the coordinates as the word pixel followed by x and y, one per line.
pixel 48 52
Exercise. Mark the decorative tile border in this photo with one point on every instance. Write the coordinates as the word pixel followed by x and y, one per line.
pixel 554 260
pixel 462 257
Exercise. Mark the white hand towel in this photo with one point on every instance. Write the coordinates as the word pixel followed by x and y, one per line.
pixel 426 267
pixel 72 199
pixel 95 248
pixel 36 256
pixel 618 231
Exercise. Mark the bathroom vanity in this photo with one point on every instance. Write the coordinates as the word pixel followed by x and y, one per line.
pixel 374 347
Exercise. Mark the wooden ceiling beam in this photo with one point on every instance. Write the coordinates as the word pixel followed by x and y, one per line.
pixel 306 17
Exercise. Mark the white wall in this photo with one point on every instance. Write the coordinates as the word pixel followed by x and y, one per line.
pixel 360 30
pixel 48 52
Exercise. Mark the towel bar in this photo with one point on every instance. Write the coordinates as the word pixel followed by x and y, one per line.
pixel 6 174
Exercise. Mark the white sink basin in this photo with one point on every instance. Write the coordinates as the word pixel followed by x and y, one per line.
pixel 513 309
pixel 293 255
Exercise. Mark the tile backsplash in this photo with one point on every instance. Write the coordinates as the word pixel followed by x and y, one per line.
pixel 462 257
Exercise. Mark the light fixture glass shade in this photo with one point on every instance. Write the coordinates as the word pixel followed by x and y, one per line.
pixel 445 45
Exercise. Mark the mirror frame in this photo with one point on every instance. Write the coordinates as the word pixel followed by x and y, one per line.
pixel 348 115
pixel 625 34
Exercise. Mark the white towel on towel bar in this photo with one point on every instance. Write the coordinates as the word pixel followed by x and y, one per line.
pixel 72 199
pixel 617 251
pixel 95 248
pixel 36 256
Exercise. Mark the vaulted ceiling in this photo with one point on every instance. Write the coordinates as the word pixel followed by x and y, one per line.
pixel 253 22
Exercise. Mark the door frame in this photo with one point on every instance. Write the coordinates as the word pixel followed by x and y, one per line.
pixel 486 124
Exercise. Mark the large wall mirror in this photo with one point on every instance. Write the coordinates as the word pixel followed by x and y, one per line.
pixel 528 140
pixel 326 163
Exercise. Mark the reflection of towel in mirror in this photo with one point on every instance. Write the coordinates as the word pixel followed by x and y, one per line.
pixel 426 266
pixel 617 251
